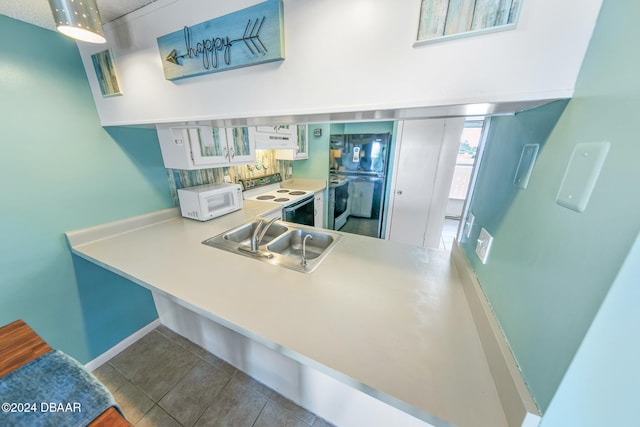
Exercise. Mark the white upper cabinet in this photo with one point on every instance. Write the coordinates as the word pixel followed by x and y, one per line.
pixel 274 137
pixel 301 148
pixel 198 146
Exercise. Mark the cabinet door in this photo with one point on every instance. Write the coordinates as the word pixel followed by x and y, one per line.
pixel 241 147
pixel 174 146
pixel 302 143
pixel 208 145
pixel 301 149
pixel 318 212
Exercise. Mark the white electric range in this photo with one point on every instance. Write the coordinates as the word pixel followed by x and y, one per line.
pixel 297 205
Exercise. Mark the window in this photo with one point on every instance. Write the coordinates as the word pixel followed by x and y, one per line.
pixel 467 153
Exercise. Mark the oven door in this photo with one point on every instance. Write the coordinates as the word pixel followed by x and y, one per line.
pixel 300 212
pixel 341 199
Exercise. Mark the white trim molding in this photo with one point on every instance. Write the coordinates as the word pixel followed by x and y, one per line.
pixel 109 354
pixel 517 403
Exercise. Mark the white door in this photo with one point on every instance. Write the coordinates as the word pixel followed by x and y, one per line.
pixel 422 176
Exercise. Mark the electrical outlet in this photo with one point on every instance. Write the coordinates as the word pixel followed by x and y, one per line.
pixel 227 178
pixel 484 245
pixel 469 224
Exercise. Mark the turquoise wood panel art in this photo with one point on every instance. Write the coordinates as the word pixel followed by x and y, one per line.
pixel 450 19
pixel 247 37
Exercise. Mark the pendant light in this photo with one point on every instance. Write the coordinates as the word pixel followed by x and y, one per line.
pixel 78 19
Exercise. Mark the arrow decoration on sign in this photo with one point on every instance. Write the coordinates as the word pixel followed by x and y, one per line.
pixel 214 49
pixel 251 34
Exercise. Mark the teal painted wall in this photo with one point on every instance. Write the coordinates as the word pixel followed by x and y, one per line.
pixel 362 127
pixel 601 386
pixel 368 127
pixel 550 268
pixel 317 165
pixel 62 171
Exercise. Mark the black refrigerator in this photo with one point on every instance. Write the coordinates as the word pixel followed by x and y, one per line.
pixel 358 177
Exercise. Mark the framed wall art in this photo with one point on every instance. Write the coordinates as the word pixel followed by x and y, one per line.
pixel 106 73
pixel 247 37
pixel 448 19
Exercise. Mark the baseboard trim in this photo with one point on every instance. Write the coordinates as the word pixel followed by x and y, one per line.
pixel 517 403
pixel 107 355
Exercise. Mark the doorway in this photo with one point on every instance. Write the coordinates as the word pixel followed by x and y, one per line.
pixel 461 182
pixel 435 158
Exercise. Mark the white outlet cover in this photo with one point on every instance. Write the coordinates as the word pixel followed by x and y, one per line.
pixel 483 246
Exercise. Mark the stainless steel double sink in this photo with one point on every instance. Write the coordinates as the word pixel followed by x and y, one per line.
pixel 282 244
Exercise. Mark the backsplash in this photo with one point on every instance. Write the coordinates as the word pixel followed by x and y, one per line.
pixel 266 164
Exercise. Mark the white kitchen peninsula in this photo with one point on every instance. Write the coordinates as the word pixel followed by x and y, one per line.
pixel 388 321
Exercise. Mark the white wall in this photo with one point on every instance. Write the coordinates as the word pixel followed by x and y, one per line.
pixel 352 55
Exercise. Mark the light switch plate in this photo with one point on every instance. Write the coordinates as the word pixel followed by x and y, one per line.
pixel 525 166
pixel 483 246
pixel 582 174
pixel 468 225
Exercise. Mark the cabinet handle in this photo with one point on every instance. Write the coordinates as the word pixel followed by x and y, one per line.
pixel 225 152
pixel 399 192
pixel 233 154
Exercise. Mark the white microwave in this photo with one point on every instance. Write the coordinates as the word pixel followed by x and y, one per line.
pixel 205 202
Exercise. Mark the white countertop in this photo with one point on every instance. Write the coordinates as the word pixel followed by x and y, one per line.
pixel 313 185
pixel 387 316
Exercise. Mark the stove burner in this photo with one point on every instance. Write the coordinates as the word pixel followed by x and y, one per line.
pixel 282 191
pixel 281 199
pixel 266 197
pixel 297 193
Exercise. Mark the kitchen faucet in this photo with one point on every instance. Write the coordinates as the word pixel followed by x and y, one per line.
pixel 259 232
pixel 304 249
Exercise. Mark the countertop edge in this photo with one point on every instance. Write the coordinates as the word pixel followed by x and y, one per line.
pixel 518 404
pixel 110 229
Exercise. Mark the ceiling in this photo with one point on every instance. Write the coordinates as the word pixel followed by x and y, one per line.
pixel 37 12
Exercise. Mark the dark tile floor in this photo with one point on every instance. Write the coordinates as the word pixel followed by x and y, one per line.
pixel 166 380
pixel 362 226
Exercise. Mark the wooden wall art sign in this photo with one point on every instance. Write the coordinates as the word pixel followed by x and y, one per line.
pixel 247 37
pixel 452 19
